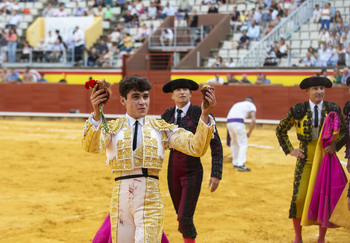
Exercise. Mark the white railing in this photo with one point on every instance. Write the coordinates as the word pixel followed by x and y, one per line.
pixel 256 55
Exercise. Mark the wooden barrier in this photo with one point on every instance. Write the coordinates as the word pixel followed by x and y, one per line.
pixel 272 101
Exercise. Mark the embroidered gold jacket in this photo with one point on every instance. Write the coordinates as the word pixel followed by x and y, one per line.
pixel 300 116
pixel 158 135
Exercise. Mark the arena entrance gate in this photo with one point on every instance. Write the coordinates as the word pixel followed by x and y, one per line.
pixel 155 66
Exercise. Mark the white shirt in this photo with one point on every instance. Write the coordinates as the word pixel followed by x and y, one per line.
pixel 216 81
pixel 241 110
pixel 79 37
pixel 312 107
pixel 131 123
pixel 184 110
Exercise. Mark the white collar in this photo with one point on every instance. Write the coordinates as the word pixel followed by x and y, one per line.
pixel 184 109
pixel 312 105
pixel 131 120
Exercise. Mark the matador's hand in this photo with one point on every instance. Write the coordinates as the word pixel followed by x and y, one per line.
pixel 298 153
pixel 214 183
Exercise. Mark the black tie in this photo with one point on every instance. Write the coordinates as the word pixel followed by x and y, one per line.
pixel 134 142
pixel 178 119
pixel 316 117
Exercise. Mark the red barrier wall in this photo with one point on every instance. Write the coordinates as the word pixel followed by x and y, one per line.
pixel 272 101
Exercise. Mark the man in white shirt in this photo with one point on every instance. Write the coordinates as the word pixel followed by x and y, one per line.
pixel 79 43
pixel 166 36
pixel 316 17
pixel 308 61
pixel 167 11
pixel 60 12
pixel 14 19
pixel 324 55
pixel 238 136
pixel 216 80
pixel 253 32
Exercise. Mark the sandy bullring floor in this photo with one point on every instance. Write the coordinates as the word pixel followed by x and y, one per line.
pixel 53 191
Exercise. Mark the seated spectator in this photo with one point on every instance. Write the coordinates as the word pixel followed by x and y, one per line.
pixel 89 11
pixel 333 60
pixel 216 80
pixel 132 8
pixel 323 56
pixel 243 42
pixel 135 21
pixel 167 11
pixel 48 11
pixel 253 32
pixel 324 73
pixel 28 76
pixel 337 76
pixel 218 62
pixel 96 3
pixel 99 11
pixel 26 51
pixel 235 19
pixel 142 33
pixel 115 36
pixel 140 7
pixel 212 8
pixel 293 6
pixel 108 13
pixel 4 75
pixel 229 63
pixel 245 80
pixel 102 46
pixel 56 51
pixel 231 79
pixel 166 38
pixel 40 50
pixel 266 18
pixel 308 61
pixel 271 58
pixel 323 37
pixel 121 4
pixel 78 11
pixel 42 78
pixel 261 79
pixel 265 80
pixel 346 74
pixel 316 16
pixel 14 76
pixel 127 43
pixel 14 20
pixel 128 18
pixel 60 12
pixel 184 6
pixel 281 49
pixel 152 11
pixel 256 15
pixel 92 57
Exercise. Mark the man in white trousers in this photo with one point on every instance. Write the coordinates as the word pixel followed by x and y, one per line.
pixel 238 136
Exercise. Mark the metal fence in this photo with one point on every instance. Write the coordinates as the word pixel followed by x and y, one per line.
pixel 256 55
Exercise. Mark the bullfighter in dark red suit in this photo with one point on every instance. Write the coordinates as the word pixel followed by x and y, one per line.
pixel 185 173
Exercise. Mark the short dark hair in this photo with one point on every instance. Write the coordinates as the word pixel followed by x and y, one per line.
pixel 134 82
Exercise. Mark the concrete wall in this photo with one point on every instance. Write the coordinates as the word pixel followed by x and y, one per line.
pixel 272 101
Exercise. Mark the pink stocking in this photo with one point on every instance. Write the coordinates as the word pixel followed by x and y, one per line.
pixel 297 229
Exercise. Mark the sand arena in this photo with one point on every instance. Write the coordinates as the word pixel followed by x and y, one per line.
pixel 53 191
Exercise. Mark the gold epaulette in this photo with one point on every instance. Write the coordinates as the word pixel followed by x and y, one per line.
pixel 161 125
pixel 115 125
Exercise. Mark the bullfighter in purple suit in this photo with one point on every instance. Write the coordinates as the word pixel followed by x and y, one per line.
pixel 185 173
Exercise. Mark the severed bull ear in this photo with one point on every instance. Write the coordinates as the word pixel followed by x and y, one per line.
pixel 204 91
pixel 103 84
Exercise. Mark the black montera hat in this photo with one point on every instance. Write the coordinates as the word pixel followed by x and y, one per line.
pixel 180 83
pixel 315 81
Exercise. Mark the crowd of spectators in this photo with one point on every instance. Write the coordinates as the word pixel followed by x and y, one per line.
pixel 231 79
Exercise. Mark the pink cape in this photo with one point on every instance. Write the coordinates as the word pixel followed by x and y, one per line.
pixel 331 179
pixel 103 235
